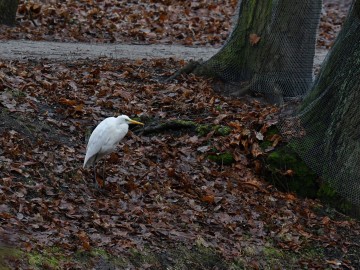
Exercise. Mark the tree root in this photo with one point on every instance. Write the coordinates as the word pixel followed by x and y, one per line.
pixel 190 67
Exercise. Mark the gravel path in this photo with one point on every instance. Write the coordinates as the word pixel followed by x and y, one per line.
pixel 36 50
pixel 21 49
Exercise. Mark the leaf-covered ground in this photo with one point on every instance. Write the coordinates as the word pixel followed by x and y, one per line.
pixel 165 204
pixel 200 22
pixel 161 188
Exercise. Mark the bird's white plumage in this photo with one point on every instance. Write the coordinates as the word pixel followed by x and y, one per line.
pixel 105 138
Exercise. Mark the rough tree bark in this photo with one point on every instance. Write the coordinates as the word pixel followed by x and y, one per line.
pixel 8 12
pixel 330 115
pixel 270 49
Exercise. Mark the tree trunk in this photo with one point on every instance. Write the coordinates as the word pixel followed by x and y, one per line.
pixel 270 50
pixel 330 115
pixel 8 12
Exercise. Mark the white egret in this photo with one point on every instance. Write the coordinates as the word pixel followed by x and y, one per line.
pixel 104 139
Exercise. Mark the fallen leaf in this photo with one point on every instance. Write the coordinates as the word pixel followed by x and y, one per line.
pixel 254 39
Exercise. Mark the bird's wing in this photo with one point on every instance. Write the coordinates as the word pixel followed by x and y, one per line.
pixel 98 138
pixel 104 139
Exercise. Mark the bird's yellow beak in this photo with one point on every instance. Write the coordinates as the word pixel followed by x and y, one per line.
pixel 135 122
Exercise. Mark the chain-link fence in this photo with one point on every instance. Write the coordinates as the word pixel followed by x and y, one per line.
pixel 321 118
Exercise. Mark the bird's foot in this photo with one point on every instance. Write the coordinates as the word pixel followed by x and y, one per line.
pixel 99 183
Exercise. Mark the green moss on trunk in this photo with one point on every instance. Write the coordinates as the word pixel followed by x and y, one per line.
pixel 259 54
pixel 330 116
pixel 288 172
pixel 239 55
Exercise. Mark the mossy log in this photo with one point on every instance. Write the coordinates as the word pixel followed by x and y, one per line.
pixel 174 126
pixel 178 125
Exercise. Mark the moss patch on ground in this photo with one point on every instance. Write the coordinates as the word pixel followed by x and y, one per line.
pixel 10 257
pixel 271 257
pixel 51 258
pixel 203 130
pixel 198 256
pixel 181 257
pixel 225 158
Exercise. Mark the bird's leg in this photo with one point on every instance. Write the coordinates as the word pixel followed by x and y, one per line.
pixel 96 182
pixel 104 170
pixel 95 179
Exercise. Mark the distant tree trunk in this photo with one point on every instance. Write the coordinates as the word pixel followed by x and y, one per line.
pixel 8 11
pixel 271 49
pixel 330 114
